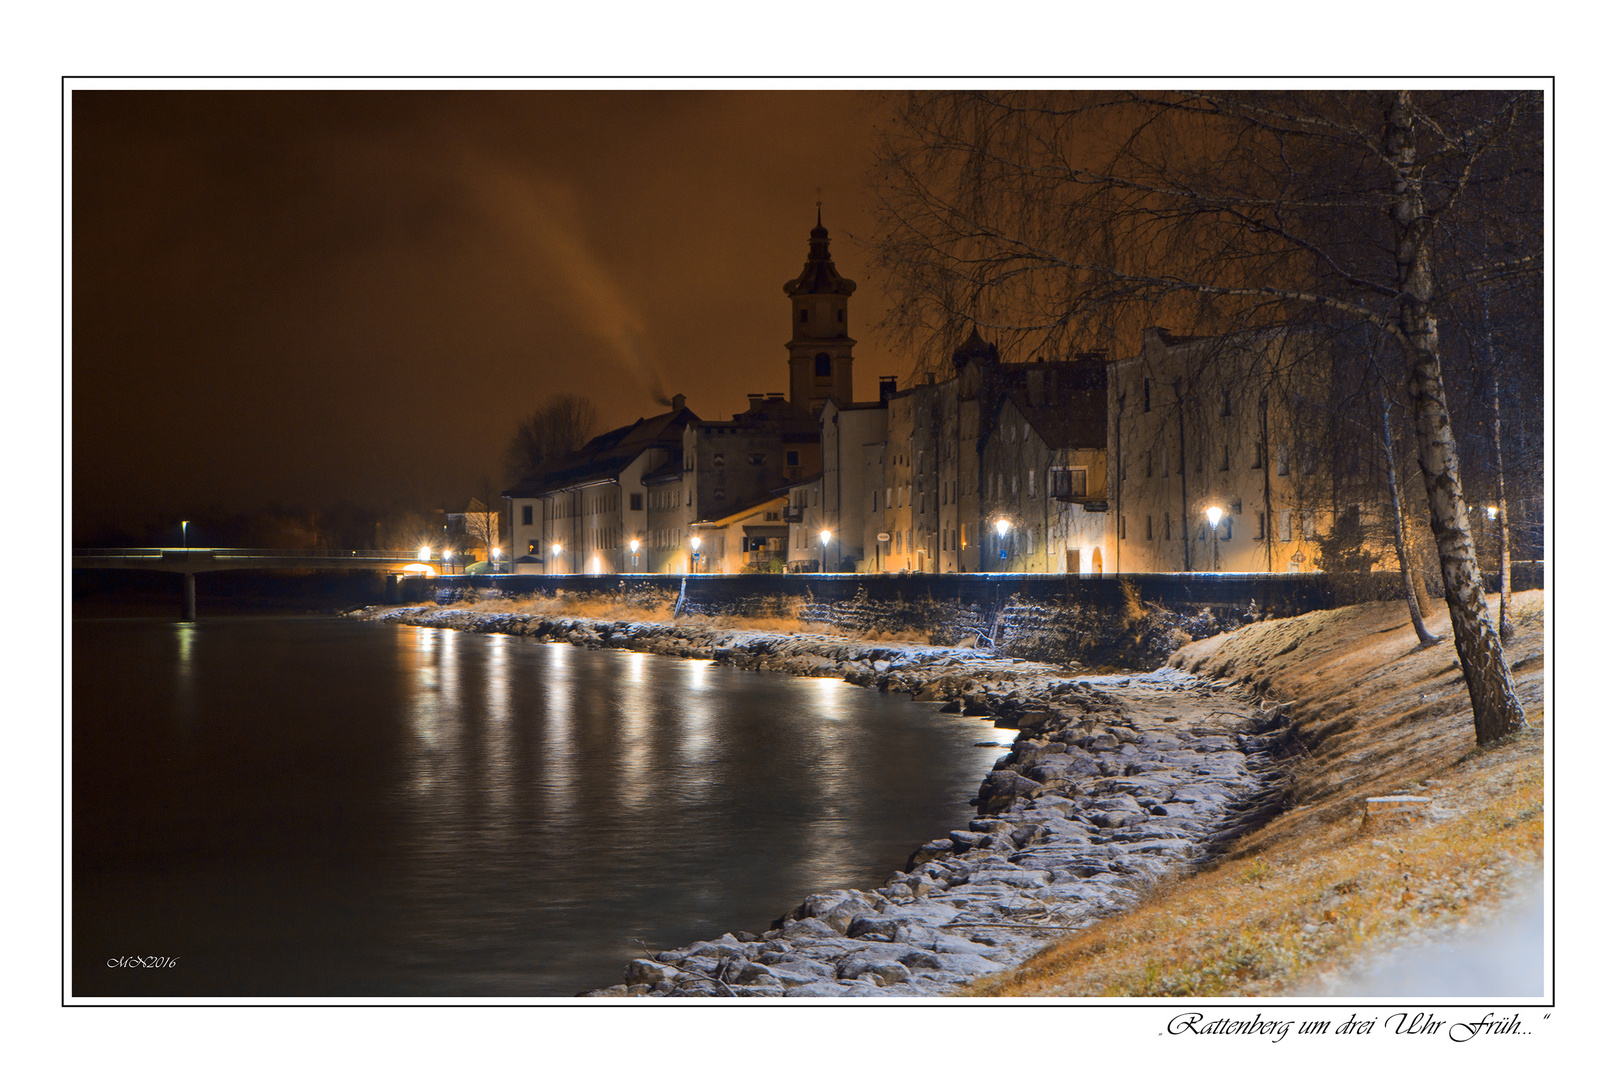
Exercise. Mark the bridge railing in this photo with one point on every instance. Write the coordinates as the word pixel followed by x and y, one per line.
pixel 254 553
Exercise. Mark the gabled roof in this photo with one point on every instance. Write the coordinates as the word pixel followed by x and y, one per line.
pixel 607 455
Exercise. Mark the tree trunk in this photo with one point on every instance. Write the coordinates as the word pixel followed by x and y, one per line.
pixel 1497 712
pixel 1412 605
pixel 1504 624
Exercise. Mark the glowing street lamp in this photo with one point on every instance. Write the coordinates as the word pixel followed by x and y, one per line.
pixel 1002 525
pixel 1214 514
pixel 426 554
pixel 185 543
pixel 635 546
pixel 826 535
pixel 495 560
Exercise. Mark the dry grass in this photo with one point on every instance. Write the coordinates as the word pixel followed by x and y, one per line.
pixel 1311 893
pixel 787 618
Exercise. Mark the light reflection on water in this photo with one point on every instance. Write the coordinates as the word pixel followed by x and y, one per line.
pixel 394 810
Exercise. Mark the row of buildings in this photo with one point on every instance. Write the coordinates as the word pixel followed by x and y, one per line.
pixel 1082 465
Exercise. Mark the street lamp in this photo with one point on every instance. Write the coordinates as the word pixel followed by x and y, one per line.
pixel 826 535
pixel 1214 514
pixel 635 546
pixel 495 560
pixel 697 542
pixel 448 555
pixel 183 541
pixel 1002 525
pixel 426 554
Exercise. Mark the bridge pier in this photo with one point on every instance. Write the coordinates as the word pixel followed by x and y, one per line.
pixel 188 598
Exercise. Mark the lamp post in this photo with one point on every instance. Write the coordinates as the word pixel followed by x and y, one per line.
pixel 556 553
pixel 183 541
pixel 1214 514
pixel 697 542
pixel 826 535
pixel 446 563
pixel 495 560
pixel 635 546
pixel 1002 525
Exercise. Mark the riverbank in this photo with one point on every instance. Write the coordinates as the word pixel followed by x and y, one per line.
pixel 1076 877
pixel 1116 785
pixel 1313 902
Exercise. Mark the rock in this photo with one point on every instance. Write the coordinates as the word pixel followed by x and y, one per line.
pixel 881 971
pixel 649 973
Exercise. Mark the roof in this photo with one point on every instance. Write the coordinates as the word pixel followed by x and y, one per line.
pixel 819 276
pixel 744 512
pixel 607 455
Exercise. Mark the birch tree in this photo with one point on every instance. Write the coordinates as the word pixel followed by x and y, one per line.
pixel 1073 220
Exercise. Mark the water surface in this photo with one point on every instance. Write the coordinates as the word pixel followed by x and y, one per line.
pixel 315 807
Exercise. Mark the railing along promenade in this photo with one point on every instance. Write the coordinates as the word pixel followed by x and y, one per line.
pixel 191 561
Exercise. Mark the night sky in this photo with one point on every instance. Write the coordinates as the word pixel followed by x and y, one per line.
pixel 311 298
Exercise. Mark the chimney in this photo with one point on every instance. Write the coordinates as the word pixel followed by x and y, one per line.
pixel 677 403
pixel 773 397
pixel 755 401
pixel 886 386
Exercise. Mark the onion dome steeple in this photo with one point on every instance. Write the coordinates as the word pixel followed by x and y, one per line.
pixel 820 354
pixel 820 276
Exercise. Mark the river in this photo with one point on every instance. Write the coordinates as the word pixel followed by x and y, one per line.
pixel 308 806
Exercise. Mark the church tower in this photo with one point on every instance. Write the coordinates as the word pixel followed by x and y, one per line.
pixel 820 355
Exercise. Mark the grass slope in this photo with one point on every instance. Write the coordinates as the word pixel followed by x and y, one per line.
pixel 1295 906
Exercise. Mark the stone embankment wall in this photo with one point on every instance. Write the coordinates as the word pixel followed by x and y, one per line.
pixel 1114 784
pixel 1132 622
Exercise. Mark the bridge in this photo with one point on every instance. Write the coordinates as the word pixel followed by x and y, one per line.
pixel 191 561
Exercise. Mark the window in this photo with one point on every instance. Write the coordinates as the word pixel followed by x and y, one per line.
pixel 528 515
pixel 534 547
pixel 888 497
pixel 823 365
pixel 1226 529
pixel 1226 403
pixel 1147 461
pixel 1260 527
pixel 758 459
pixel 1030 490
pixel 1282 460
pixel 1147 395
pixel 792 458
pixel 1068 482
pixel 635 501
pixel 1150 526
pixel 1166 533
pixel 1259 461
pixel 719 461
pixel 1285 526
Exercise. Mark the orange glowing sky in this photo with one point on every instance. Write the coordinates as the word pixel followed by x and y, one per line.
pixel 312 297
